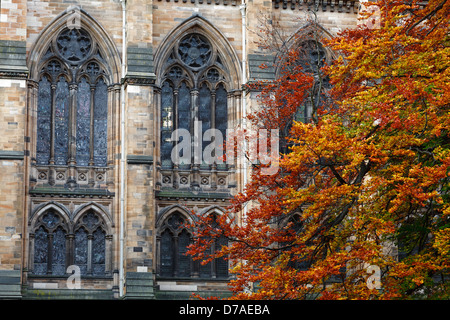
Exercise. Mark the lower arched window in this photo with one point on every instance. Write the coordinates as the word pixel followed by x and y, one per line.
pixel 50 245
pixel 174 262
pixel 55 248
pixel 90 245
pixel 174 242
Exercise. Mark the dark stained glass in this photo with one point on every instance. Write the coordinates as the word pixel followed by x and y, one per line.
pixel 90 219
pixel 166 123
pixel 167 254
pixel 54 67
pixel 54 104
pixel 184 112
pixel 184 260
pixel 51 219
pixel 98 252
pixel 81 250
pixel 221 263
pixel 205 269
pixel 175 221
pixel 100 123
pixel 311 57
pixel 221 110
pixel 184 107
pixel 44 111
pixel 83 122
pixel 59 252
pixel 40 251
pixel 204 109
pixel 61 121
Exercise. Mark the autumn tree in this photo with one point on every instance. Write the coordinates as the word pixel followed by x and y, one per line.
pixel 360 206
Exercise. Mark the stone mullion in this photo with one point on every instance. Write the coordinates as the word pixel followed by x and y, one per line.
pixel 213 166
pixel 51 171
pixel 52 121
pixel 91 178
pixel 89 254
pixel 71 181
pixel 108 254
pixel 175 124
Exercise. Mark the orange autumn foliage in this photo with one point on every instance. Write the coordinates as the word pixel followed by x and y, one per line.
pixel 365 180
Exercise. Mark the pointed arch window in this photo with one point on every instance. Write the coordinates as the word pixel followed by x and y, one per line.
pixel 54 246
pixel 89 245
pixel 174 240
pixel 174 262
pixel 50 245
pixel 310 57
pixel 194 88
pixel 72 102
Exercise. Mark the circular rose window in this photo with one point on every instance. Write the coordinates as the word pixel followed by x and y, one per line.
pixel 194 50
pixel 74 44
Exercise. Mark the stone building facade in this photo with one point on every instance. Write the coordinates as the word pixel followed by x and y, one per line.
pixel 90 92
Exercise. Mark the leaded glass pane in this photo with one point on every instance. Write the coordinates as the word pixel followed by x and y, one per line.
pixel 221 263
pixel 175 221
pixel 166 122
pixel 100 123
pixel 184 113
pixel 83 122
pixel 40 251
pixel 184 107
pixel 204 109
pixel 221 113
pixel 311 57
pixel 90 219
pixel 184 260
pixel 205 269
pixel 51 219
pixel 61 121
pixel 44 112
pixel 98 252
pixel 59 252
pixel 81 250
pixel 167 257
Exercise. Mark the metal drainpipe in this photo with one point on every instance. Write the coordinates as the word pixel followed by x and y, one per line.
pixel 122 151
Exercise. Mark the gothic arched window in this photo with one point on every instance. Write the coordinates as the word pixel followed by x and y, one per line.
pixel 55 246
pixel 50 245
pixel 217 268
pixel 89 245
pixel 193 92
pixel 309 58
pixel 72 102
pixel 174 262
pixel 174 240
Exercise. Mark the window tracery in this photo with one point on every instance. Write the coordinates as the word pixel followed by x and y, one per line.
pixel 72 107
pixel 55 246
pixel 174 262
pixel 194 88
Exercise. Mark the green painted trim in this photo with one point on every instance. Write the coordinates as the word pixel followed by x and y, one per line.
pixel 11 155
pixel 138 159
